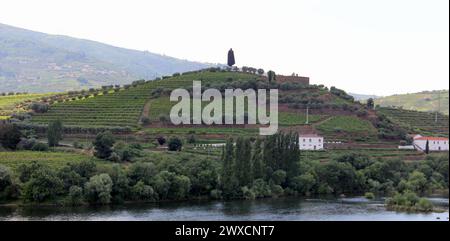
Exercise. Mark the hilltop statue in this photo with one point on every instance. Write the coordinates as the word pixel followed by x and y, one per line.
pixel 231 61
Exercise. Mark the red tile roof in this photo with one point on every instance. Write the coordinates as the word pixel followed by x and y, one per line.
pixel 309 135
pixel 430 138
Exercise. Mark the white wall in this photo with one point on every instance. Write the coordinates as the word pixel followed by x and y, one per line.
pixel 434 145
pixel 311 143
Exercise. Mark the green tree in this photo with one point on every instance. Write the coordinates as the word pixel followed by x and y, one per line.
pixel 229 181
pixel 70 178
pixel 98 189
pixel 75 196
pixel 162 183
pixel 142 171
pixel 175 144
pixel 231 61
pixel 54 133
pixel 278 177
pixel 9 136
pixel 161 140
pixel 340 177
pixel 143 192
pixel 271 76
pixel 120 188
pixel 418 182
pixel 427 147
pixel 257 160
pixel 304 183
pixel 180 187
pixel 243 165
pixel 370 103
pixel 103 144
pixel 5 179
pixel 43 185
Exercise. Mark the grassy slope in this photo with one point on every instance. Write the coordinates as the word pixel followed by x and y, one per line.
pixel 54 159
pixel 424 101
pixel 8 104
pixel 339 127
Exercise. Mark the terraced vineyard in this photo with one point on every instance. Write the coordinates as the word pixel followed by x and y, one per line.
pixel 418 122
pixel 122 108
pixel 163 105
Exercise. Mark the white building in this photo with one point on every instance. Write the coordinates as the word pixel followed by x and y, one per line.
pixel 310 142
pixel 434 143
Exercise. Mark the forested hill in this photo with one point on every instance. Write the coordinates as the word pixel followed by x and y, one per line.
pixel 37 62
pixel 428 101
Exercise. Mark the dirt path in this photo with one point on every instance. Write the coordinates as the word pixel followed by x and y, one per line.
pixel 146 111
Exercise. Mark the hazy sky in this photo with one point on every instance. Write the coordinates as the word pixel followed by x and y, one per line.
pixel 364 46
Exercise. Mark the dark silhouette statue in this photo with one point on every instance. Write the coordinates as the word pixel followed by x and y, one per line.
pixel 231 60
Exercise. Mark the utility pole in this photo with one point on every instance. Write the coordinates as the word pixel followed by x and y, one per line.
pixel 307 115
pixel 439 107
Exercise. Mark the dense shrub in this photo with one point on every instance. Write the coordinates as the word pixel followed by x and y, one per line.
pixel 26 144
pixel 175 144
pixel 5 179
pixel 161 140
pixel 75 196
pixel 39 146
pixel 142 192
pixel 10 136
pixel 39 107
pixel 43 185
pixel 98 189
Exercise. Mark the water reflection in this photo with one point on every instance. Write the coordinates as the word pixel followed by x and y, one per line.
pixel 357 208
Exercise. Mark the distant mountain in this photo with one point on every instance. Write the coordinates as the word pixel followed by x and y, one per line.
pixel 423 101
pixel 38 62
pixel 361 97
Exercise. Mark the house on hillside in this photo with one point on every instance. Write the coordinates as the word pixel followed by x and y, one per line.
pixel 293 78
pixel 434 143
pixel 311 142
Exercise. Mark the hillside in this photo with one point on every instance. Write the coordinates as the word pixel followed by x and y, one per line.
pixel 362 97
pixel 144 108
pixel 37 62
pixel 427 101
pixel 424 123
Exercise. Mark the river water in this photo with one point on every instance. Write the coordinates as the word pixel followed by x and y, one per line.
pixel 342 209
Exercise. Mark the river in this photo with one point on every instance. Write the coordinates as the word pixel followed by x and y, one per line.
pixel 341 209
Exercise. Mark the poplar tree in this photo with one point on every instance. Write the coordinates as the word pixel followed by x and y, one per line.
pixel 257 160
pixel 54 132
pixel 228 178
pixel 243 159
